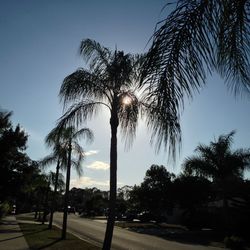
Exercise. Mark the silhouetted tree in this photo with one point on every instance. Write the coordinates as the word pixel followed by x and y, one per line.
pixel 69 138
pixel 111 82
pixel 155 192
pixel 220 163
pixel 197 191
pixel 59 156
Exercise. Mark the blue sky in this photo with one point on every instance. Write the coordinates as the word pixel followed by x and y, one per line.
pixel 38 48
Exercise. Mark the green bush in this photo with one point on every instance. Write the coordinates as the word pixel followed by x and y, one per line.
pixel 4 209
pixel 234 242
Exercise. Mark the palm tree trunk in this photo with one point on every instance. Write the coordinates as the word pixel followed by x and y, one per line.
pixel 52 209
pixel 46 203
pixel 113 182
pixel 66 195
pixel 225 212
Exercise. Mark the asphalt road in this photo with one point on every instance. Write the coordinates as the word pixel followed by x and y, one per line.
pixel 93 231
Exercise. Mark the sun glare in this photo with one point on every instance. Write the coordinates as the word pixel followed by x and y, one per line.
pixel 126 100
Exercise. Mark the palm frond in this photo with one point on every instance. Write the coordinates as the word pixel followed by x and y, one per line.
pixel 163 118
pixel 79 113
pixel 180 47
pixel 48 160
pixel 233 43
pixel 85 133
pixel 97 55
pixel 53 137
pixel 201 36
pixel 128 116
pixel 82 84
pixel 76 164
pixel 197 166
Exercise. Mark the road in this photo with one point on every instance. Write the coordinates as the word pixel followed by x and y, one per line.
pixel 93 231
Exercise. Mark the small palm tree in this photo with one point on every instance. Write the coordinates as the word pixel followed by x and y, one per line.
pixel 218 162
pixel 69 138
pixel 59 156
pixel 64 141
pixel 112 81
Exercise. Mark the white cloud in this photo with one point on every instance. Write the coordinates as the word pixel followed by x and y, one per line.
pixel 91 152
pixel 98 165
pixel 90 182
pixel 86 182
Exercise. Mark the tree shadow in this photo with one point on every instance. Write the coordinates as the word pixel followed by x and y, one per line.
pixel 19 231
pixel 50 244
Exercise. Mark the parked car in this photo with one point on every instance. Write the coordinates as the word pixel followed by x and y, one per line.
pixel 147 216
pixel 129 215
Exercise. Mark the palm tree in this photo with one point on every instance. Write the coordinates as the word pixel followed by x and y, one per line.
pixel 220 163
pixel 112 82
pixel 69 137
pixel 63 141
pixel 197 38
pixel 59 156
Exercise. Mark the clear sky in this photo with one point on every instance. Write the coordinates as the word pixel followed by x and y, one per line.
pixel 38 48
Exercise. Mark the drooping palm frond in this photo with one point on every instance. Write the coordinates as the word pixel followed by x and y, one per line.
pixel 79 112
pixel 162 117
pixel 85 133
pixel 179 48
pixel 196 37
pixel 233 43
pixel 97 55
pixel 48 160
pixel 82 84
pixel 76 164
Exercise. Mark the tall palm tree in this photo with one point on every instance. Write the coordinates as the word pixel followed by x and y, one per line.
pixel 112 82
pixel 195 39
pixel 220 163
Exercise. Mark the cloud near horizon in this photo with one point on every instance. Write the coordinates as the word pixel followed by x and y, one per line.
pixel 86 181
pixel 98 165
pixel 91 152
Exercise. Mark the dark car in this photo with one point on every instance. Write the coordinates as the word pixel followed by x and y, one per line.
pixel 145 216
pixel 129 216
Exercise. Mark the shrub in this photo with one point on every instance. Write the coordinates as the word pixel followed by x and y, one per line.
pixel 234 242
pixel 4 209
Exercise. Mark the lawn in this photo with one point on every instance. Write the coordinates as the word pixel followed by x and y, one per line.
pixel 175 233
pixel 40 237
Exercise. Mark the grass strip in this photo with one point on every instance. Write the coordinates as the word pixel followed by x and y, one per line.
pixel 40 237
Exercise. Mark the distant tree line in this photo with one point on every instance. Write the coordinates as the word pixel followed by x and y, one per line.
pixel 209 192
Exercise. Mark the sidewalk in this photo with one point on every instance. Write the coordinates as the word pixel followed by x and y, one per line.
pixel 11 236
